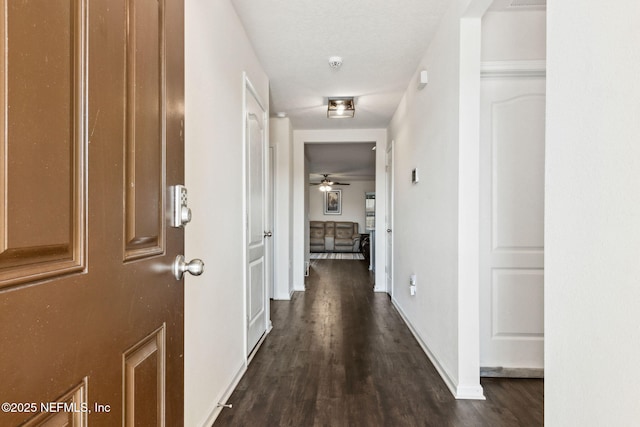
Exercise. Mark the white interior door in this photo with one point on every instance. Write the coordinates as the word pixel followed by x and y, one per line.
pixel 512 223
pixel 256 150
pixel 389 220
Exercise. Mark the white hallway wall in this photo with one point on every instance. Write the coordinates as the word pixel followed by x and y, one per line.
pixel 591 126
pixel 515 35
pixel 592 235
pixel 217 52
pixel 436 221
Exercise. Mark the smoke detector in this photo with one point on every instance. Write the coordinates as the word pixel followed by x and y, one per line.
pixel 335 62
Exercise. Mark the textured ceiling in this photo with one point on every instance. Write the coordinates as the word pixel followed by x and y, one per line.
pixel 381 43
pixel 344 162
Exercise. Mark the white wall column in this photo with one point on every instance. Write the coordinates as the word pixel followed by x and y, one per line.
pixel 281 137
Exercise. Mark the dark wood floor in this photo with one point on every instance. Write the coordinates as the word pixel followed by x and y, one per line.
pixel 340 355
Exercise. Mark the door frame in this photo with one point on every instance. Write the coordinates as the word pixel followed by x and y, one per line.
pixel 249 90
pixel 389 182
pixel 270 220
pixel 302 137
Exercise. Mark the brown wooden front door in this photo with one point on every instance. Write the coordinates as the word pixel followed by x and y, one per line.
pixel 91 317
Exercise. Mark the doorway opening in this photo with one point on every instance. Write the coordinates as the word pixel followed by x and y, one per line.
pixel 339 208
pixel 305 140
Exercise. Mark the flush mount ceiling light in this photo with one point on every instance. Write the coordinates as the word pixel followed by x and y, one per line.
pixel 341 108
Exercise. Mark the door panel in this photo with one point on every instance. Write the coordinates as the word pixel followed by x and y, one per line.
pixel 518 173
pixel 257 303
pixel 90 312
pixel 76 397
pixel 517 296
pixel 512 223
pixel 42 233
pixel 144 380
pixel 144 217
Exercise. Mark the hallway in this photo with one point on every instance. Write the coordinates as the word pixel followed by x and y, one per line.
pixel 340 355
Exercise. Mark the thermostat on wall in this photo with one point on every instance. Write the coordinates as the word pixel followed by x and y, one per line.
pixel 414 176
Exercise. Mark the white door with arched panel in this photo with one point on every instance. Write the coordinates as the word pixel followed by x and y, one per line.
pixel 512 225
pixel 257 303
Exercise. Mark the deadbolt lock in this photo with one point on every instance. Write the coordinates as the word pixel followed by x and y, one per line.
pixel 180 212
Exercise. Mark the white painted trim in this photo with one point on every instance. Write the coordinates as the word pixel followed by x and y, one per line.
pixel 254 92
pixel 245 217
pixel 468 289
pixel 513 69
pixel 458 391
pixel 285 296
pixel 270 252
pixel 302 137
pixel 215 409
pixel 259 344
pixel 469 392
pixel 449 382
pixel 380 284
pixel 297 203
pixel 282 142
pixel 390 212
pixel 272 206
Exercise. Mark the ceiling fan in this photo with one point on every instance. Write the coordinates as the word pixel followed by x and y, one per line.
pixel 325 184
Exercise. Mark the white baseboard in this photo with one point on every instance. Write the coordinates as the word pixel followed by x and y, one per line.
pixel 459 391
pixel 283 296
pixel 469 392
pixel 215 410
pixel 259 344
pixel 443 374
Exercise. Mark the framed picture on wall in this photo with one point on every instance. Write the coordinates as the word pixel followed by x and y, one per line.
pixel 333 202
